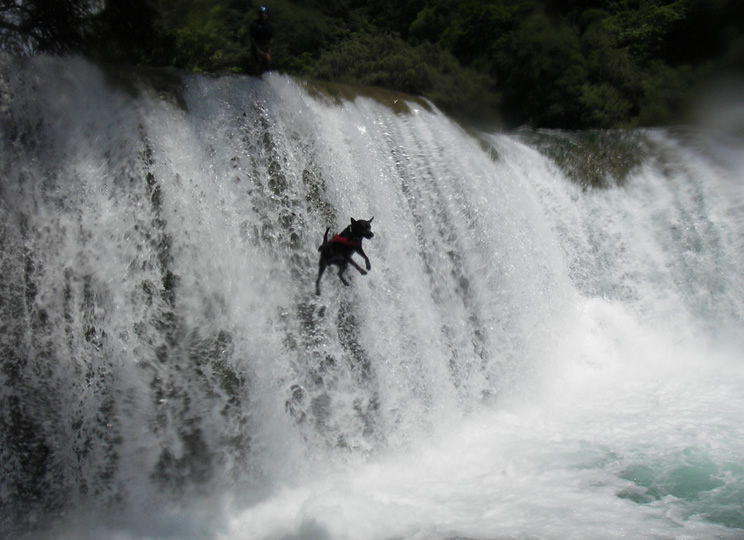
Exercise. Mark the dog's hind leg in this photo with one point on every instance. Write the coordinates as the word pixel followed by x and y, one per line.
pixel 341 275
pixel 321 269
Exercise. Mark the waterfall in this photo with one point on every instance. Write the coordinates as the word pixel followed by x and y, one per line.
pixel 548 343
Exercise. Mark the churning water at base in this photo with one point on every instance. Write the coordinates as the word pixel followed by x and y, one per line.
pixel 529 357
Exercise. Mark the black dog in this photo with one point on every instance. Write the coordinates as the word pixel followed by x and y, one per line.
pixel 341 247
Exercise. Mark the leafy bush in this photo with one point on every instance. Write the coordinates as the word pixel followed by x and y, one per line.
pixel 388 61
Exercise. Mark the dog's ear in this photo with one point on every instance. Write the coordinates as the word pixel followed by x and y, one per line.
pixel 353 221
pixel 370 219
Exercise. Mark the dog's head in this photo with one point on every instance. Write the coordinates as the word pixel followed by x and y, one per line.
pixel 362 228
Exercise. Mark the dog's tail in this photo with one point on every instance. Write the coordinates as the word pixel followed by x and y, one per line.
pixel 325 240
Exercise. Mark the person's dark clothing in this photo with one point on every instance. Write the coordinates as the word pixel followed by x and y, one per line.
pixel 261 34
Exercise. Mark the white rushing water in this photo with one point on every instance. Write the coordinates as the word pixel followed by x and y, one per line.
pixel 527 358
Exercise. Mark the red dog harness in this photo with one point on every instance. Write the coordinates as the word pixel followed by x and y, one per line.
pixel 341 240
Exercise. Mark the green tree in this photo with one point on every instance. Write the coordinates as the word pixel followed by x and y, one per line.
pixel 468 29
pixel 645 29
pixel 549 63
pixel 542 70
pixel 39 26
pixel 128 30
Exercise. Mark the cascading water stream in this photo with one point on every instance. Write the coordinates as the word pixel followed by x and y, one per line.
pixel 530 355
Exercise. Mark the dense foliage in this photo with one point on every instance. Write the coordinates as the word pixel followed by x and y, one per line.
pixel 548 63
pixel 43 25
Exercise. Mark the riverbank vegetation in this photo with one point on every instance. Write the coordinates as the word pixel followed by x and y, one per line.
pixel 546 63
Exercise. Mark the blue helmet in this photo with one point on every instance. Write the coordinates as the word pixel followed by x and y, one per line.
pixel 262 9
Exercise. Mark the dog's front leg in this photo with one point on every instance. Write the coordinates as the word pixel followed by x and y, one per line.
pixel 366 259
pixel 361 270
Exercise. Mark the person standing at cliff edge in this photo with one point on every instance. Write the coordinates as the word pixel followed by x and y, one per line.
pixel 261 34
